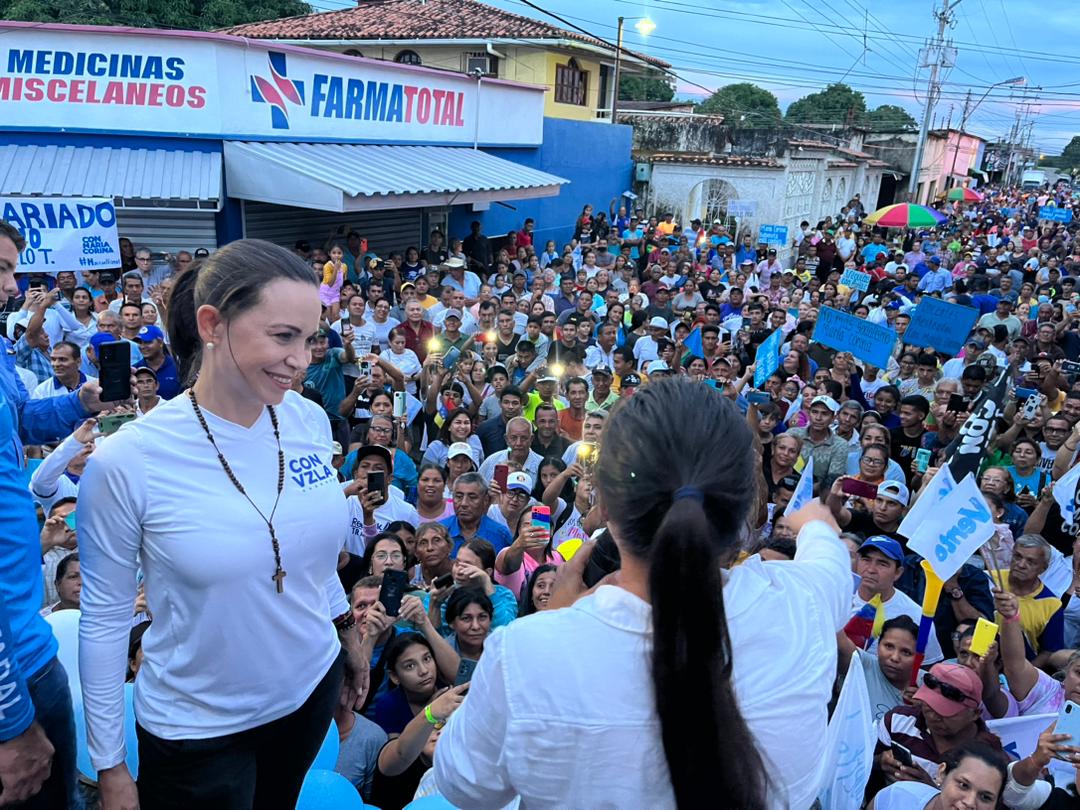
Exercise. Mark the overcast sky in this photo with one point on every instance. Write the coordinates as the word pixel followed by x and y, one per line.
pixel 795 47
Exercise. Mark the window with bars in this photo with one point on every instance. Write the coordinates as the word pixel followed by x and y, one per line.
pixel 571 84
pixel 408 58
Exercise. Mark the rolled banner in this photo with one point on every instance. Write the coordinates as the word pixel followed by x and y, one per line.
pixel 931 595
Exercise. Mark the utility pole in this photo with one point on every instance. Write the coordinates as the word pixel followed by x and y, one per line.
pixel 938 57
pixel 960 134
pixel 1014 167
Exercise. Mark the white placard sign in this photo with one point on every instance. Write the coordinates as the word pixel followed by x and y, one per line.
pixel 64 233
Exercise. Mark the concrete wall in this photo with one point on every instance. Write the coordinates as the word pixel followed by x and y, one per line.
pixel 703 133
pixel 593 156
pixel 692 191
pixel 803 188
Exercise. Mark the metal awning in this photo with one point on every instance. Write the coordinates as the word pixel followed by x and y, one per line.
pixel 361 177
pixel 134 178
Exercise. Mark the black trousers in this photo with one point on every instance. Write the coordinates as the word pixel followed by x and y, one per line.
pixel 263 767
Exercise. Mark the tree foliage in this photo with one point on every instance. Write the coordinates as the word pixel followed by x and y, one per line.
pixel 743 105
pixel 837 104
pixel 889 117
pixel 1069 158
pixel 203 15
pixel 649 87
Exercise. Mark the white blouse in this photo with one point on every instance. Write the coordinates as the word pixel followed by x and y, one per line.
pixel 560 709
pixel 225 652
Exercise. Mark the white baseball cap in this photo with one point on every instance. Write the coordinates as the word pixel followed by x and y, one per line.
pixel 827 401
pixel 658 323
pixel 519 480
pixel 460 449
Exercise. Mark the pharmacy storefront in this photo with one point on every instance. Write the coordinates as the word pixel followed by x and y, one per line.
pixel 203 138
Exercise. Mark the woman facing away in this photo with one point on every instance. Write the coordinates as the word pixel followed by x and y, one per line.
pixel 225 499
pixel 596 722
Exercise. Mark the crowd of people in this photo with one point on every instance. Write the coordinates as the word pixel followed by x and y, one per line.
pixel 449 495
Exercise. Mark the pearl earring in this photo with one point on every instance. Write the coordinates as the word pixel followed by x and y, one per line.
pixel 210 345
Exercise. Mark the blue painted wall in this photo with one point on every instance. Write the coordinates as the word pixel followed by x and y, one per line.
pixel 594 157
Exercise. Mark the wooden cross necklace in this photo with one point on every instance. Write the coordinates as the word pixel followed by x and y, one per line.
pixel 279 572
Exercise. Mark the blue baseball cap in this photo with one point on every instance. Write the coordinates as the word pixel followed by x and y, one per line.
pixel 149 333
pixel 99 338
pixel 886 545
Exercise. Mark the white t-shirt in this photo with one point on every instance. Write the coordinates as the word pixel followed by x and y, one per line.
pixel 363 335
pixel 52 388
pixel 407 363
pixel 782 617
pixel 226 652
pixel 382 331
pixel 531 465
pixel 395 508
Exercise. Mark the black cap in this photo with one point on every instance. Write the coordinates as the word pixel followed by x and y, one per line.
pixel 630 379
pixel 375 450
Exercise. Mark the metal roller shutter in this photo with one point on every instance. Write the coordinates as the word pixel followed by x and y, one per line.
pixel 168 230
pixel 283 225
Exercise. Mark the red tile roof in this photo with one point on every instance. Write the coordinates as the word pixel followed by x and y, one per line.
pixel 417 20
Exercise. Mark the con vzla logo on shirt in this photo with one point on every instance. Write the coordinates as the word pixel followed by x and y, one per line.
pixel 309 472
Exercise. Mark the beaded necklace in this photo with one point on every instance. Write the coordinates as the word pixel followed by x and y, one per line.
pixel 279 572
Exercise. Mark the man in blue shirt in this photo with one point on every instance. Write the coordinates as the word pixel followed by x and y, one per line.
pixel 937 280
pixel 470 520
pixel 633 236
pixel 152 344
pixel 37 727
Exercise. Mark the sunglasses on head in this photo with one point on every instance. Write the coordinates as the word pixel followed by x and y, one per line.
pixel 948 691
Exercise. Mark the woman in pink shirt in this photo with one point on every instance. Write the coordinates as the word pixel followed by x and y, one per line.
pixel 532 547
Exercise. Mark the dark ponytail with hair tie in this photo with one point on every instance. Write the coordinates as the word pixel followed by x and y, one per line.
pixel 681 511
pixel 232 280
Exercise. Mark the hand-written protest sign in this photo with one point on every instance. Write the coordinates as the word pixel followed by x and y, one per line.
pixel 741 208
pixel 959 525
pixel 773 234
pixel 64 233
pixel 767 359
pixel 856 280
pixel 870 342
pixel 940 324
pixel 1054 214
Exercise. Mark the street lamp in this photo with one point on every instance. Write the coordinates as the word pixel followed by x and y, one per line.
pixel 644 26
pixel 968 113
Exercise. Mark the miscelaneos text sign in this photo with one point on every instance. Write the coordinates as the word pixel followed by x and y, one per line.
pixel 92 79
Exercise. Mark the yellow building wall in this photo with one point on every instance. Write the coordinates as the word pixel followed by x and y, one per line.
pixel 574 112
pixel 522 64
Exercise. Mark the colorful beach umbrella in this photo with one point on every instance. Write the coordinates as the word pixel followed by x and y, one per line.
pixel 965 194
pixel 906 215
